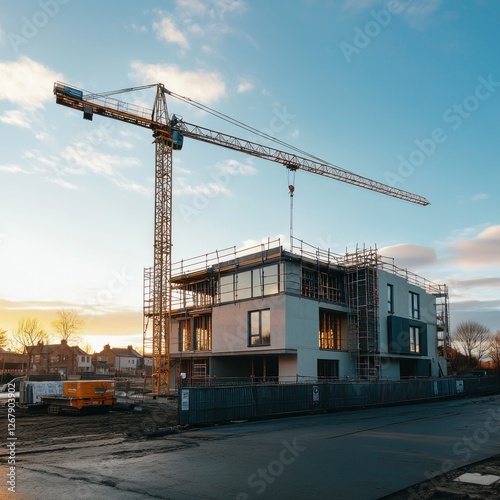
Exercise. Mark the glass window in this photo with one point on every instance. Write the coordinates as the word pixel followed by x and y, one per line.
pixel 271 279
pixel 329 330
pixel 244 285
pixel 203 336
pixel 390 298
pixel 185 335
pixel 259 327
pixel 414 339
pixel 227 288
pixel 257 282
pixel 414 305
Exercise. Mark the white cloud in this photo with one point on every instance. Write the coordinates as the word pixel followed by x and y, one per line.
pixel 474 283
pixel 410 256
pixel 192 7
pixel 213 9
pixel 198 85
pixel 272 241
pixel 209 189
pixel 482 250
pixel 422 8
pixel 16 117
pixel 416 13
pixel 80 154
pixel 222 7
pixel 26 83
pixel 221 180
pixel 166 30
pixel 234 167
pixel 245 87
pixel 80 159
pixel 139 29
pixel 12 169
pixel 480 197
pixel 64 184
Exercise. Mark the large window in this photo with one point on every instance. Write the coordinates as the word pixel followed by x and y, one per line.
pixel 250 284
pixel 329 330
pixel 390 298
pixel 203 333
pixel 414 339
pixel 324 285
pixel 414 305
pixel 185 343
pixel 259 327
pixel 328 368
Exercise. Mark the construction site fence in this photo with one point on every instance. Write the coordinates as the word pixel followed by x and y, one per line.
pixel 199 405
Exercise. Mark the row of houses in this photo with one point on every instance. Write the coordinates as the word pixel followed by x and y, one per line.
pixel 69 360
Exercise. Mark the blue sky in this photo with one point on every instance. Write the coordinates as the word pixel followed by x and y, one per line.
pixel 403 92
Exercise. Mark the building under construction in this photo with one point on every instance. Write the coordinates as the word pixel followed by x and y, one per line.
pixel 268 314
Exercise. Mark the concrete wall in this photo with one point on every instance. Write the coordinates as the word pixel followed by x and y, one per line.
pixel 230 325
pixel 402 290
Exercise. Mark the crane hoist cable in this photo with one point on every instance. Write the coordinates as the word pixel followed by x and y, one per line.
pixel 246 127
pixel 291 191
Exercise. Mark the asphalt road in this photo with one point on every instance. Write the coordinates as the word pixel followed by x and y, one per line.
pixel 364 454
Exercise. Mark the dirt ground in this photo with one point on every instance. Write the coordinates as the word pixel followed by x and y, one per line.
pixel 132 420
pixel 446 486
pixel 152 419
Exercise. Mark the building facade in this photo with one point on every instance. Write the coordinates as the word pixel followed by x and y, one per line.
pixel 57 358
pixel 267 314
pixel 118 361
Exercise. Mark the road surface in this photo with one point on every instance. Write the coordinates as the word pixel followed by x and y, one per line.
pixel 365 454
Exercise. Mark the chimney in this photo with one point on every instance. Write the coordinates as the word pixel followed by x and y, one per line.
pixel 129 347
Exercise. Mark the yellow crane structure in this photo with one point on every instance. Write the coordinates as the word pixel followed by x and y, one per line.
pixel 168 133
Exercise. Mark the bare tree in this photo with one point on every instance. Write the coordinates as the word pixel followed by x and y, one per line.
pixel 494 350
pixel 87 347
pixel 3 338
pixel 68 324
pixel 472 339
pixel 29 333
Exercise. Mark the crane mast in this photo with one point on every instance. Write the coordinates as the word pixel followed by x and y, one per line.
pixel 168 135
pixel 162 267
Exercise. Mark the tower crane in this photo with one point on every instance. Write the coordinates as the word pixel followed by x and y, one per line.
pixel 168 133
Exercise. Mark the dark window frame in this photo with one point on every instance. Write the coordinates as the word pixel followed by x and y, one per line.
pixel 259 328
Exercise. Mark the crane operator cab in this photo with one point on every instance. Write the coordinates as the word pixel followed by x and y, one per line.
pixel 177 137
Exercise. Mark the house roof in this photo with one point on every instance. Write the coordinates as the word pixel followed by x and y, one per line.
pixel 50 348
pixel 125 353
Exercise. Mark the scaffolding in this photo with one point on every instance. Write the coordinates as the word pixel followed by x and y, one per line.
pixel 442 324
pixel 148 311
pixel 363 317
